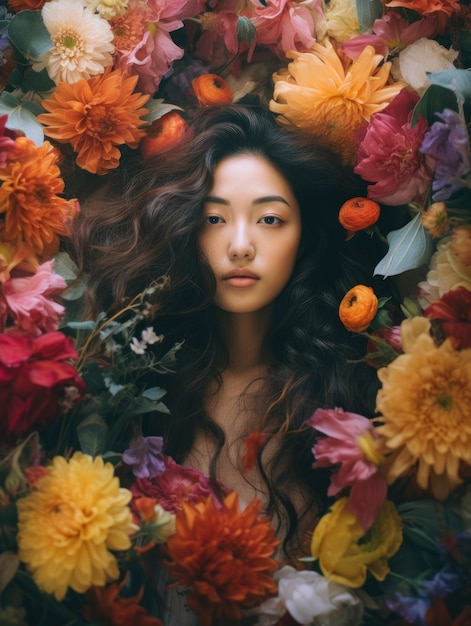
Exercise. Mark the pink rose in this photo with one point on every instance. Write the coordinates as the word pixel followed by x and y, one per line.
pixel 28 301
pixel 388 154
pixel 36 382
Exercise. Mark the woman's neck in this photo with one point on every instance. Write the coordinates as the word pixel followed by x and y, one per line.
pixel 244 335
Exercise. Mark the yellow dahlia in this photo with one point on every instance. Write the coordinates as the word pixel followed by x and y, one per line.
pixel 96 116
pixel 70 523
pixel 329 95
pixel 30 202
pixel 424 404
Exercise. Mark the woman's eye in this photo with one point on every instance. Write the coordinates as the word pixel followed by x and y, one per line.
pixel 270 219
pixel 214 219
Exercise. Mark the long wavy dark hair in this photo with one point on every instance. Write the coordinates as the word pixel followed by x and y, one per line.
pixel 148 227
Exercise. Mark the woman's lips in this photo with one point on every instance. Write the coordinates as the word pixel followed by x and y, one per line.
pixel 240 278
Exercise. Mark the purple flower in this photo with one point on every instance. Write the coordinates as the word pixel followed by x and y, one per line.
pixel 145 456
pixel 411 609
pixel 441 585
pixel 447 141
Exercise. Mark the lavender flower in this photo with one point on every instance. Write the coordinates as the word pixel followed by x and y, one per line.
pixel 447 141
pixel 145 457
pixel 411 609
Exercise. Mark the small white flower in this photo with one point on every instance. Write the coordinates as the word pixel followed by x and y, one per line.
pixel 81 42
pixel 108 8
pixel 312 600
pixel 148 335
pixel 420 58
pixel 138 347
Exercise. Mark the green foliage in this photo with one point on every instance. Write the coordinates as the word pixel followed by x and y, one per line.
pixel 28 34
pixel 368 11
pixel 410 247
pixel 22 116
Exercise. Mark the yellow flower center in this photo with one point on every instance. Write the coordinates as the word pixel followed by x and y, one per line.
pixel 68 43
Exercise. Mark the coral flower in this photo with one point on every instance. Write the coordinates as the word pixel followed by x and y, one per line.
pixel 346 554
pixel 211 89
pixel 424 404
pixel 95 117
pixel 105 605
pixel 224 556
pixel 25 5
pixel 329 96
pixel 358 214
pixel 30 201
pixel 428 7
pixel 163 133
pixel 71 522
pixel 358 308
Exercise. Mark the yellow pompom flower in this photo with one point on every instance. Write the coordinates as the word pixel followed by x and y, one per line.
pixel 346 554
pixel 329 95
pixel 424 405
pixel 67 526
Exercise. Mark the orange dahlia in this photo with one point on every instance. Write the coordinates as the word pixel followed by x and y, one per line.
pixel 329 95
pixel 33 211
pixel 223 556
pixel 96 116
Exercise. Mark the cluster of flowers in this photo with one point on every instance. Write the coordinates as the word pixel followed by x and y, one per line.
pixel 84 498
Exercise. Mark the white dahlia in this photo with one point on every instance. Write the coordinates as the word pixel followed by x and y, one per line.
pixel 81 42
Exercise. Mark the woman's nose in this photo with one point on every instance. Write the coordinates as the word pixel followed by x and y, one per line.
pixel 241 246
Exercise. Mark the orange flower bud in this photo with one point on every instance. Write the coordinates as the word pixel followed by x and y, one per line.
pixel 358 308
pixel 163 133
pixel 211 89
pixel 358 213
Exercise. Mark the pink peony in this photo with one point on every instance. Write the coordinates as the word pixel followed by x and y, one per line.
pixel 36 381
pixel 28 301
pixel 284 25
pixel 220 30
pixel 7 142
pixel 352 444
pixel 155 51
pixel 177 484
pixel 391 33
pixel 388 154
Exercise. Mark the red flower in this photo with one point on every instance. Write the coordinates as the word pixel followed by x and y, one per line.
pixel 453 310
pixel 36 382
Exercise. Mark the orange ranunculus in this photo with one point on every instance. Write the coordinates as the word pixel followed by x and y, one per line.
pixel 211 89
pixel 106 606
pixel 224 556
pixel 358 308
pixel 163 134
pixel 34 213
pixel 96 116
pixel 358 214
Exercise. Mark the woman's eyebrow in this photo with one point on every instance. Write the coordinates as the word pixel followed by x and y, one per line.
pixel 257 201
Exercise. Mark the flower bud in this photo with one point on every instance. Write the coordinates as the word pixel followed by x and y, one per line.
pixel 358 308
pixel 211 89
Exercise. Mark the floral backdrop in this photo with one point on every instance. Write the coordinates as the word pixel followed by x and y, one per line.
pixel 87 503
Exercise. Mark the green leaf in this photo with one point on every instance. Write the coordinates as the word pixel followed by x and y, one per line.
pixel 21 118
pixel 65 266
pixel 410 247
pixel 29 35
pixel 434 100
pixel 9 563
pixel 154 393
pixel 368 11
pixel 89 325
pixel 157 108
pixel 37 81
pixel 92 434
pixel 456 80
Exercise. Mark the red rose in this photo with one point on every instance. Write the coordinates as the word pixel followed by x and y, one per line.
pixel 453 310
pixel 36 382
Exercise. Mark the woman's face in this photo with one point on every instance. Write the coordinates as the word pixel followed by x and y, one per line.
pixel 251 233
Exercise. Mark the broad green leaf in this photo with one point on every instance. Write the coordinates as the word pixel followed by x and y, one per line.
pixel 456 80
pixel 154 393
pixel 28 34
pixel 157 108
pixel 65 266
pixel 21 118
pixel 368 11
pixel 9 563
pixel 410 247
pixel 434 100
pixel 92 434
pixel 37 81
